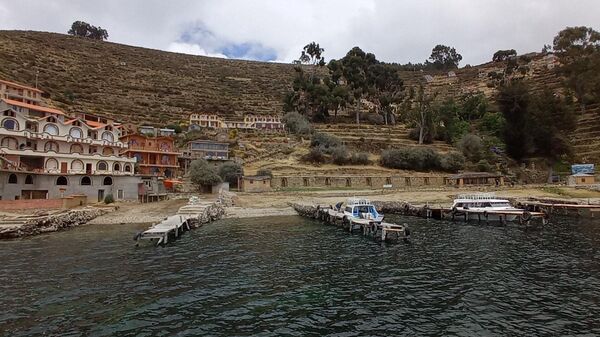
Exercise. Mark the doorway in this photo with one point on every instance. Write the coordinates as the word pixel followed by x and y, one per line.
pixel 63 167
pixel 100 195
pixel 88 168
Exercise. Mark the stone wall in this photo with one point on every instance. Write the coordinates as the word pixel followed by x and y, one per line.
pixel 354 181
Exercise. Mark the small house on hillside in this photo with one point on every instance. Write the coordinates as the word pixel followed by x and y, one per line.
pixel 256 184
pixel 475 178
pixel 581 179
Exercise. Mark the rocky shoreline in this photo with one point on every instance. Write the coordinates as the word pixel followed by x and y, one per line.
pixel 49 223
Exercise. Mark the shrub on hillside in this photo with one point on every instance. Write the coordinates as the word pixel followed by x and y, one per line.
pixel 297 124
pixel 230 172
pixel 325 142
pixel 471 146
pixel 376 119
pixel 340 155
pixel 315 156
pixel 484 166
pixel 264 173
pixel 418 159
pixel 452 162
pixel 203 174
pixel 360 158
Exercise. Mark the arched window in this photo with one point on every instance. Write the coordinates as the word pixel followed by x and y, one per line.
pixel 127 168
pixel 77 165
pixel 51 146
pixel 117 167
pixel 77 148
pixel 76 133
pixel 10 124
pixel 10 143
pixel 51 164
pixel 62 181
pixel 102 166
pixel 108 136
pixel 108 151
pixel 12 179
pixel 51 129
pixel 28 180
pixel 86 181
pixel 107 181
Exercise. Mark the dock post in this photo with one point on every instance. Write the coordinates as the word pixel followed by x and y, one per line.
pixel 383 233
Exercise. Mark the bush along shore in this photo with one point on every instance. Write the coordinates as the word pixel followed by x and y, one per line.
pixel 11 229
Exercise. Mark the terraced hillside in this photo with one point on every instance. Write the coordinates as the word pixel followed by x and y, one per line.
pixel 586 139
pixel 137 84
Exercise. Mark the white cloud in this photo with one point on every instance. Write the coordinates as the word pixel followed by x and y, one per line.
pixel 192 49
pixel 396 31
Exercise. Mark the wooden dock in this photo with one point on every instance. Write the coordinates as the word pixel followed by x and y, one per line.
pixel 581 210
pixel 170 228
pixel 383 231
pixel 523 217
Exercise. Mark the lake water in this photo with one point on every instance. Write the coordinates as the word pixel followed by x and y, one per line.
pixel 289 276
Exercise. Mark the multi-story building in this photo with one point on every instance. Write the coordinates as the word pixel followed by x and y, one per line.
pixel 20 93
pixel 215 152
pixel 208 120
pixel 155 155
pixel 46 154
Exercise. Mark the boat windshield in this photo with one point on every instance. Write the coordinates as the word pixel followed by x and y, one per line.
pixel 364 209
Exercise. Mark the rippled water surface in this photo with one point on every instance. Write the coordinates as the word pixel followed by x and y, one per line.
pixel 282 276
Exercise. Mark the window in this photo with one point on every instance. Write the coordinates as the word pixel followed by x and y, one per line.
pixel 50 120
pixel 127 168
pixel 369 183
pixel 62 181
pixel 9 113
pixel 51 164
pixel 327 182
pixel 28 180
pixel 306 182
pixel 86 181
pixel 108 128
pixel 76 148
pixel 102 166
pixel 51 129
pixel 284 182
pixel 9 142
pixel 348 182
pixel 120 194
pixel 76 123
pixel 12 179
pixel 10 124
pixel 117 167
pixel 407 181
pixel 107 181
pixel 108 136
pixel 426 180
pixel 51 146
pixel 76 133
pixel 77 165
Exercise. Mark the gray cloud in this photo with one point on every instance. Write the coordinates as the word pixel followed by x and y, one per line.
pixel 396 31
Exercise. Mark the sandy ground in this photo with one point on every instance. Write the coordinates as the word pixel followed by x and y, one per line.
pixel 140 213
pixel 281 200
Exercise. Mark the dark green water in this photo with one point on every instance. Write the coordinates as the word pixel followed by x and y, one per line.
pixel 288 276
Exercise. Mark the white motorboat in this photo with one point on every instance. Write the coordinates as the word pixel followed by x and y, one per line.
pixel 486 206
pixel 361 212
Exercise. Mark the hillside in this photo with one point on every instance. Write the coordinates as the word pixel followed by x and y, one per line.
pixel 148 86
pixel 136 84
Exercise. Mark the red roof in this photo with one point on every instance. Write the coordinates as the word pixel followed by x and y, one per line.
pixel 33 107
pixel 20 86
pixel 95 125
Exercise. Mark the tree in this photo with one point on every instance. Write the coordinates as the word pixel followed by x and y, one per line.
pixel 355 67
pixel 422 115
pixel 84 29
pixel 384 88
pixel 444 58
pixel 231 172
pixel 513 100
pixel 471 147
pixel 503 55
pixel 579 51
pixel 312 54
pixel 203 174
pixel 175 127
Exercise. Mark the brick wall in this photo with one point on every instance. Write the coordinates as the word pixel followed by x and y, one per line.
pixel 30 204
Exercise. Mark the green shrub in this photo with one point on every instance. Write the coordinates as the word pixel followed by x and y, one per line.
pixel 203 174
pixel 493 122
pixel 360 158
pixel 340 155
pixel 471 147
pixel 230 172
pixel 418 159
pixel 484 166
pixel 315 156
pixel 108 199
pixel 453 162
pixel 325 142
pixel 264 173
pixel 297 124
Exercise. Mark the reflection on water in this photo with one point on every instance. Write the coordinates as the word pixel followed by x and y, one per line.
pixel 291 276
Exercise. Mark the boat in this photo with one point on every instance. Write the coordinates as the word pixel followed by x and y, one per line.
pixel 486 206
pixel 360 212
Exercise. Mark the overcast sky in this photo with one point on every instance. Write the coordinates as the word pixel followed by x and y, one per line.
pixel 395 31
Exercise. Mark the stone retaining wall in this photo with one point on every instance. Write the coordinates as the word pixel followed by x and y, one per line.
pixel 354 181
